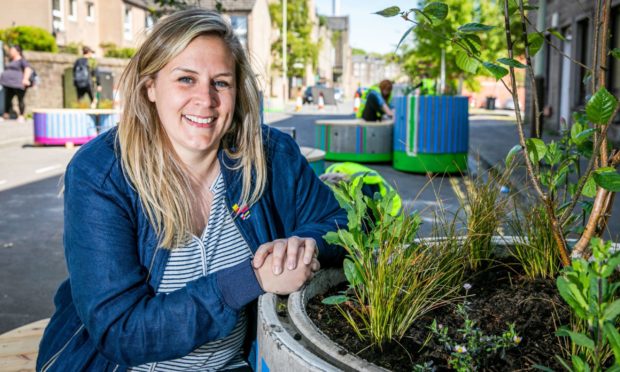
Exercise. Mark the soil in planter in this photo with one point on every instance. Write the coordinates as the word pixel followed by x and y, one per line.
pixel 497 297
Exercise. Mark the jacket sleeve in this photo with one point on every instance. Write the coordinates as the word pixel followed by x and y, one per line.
pixel 316 209
pixel 127 321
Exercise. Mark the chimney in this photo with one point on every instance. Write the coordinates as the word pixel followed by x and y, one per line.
pixel 335 8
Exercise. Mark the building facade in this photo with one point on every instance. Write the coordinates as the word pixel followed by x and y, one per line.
pixel 564 90
pixel 121 23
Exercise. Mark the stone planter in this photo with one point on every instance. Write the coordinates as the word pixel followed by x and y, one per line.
pixel 289 341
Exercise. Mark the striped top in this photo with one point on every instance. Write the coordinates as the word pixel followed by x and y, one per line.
pixel 220 246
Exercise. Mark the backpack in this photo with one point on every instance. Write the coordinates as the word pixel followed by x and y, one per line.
pixel 81 74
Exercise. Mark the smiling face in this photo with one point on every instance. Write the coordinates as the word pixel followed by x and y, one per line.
pixel 195 97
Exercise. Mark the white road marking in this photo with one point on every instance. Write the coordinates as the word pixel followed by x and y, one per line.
pixel 47 169
pixel 2 182
pixel 15 140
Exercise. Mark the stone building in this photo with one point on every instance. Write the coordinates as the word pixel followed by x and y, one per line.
pixel 563 89
pixel 124 24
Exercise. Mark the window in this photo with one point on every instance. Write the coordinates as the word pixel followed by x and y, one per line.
pixel 582 56
pixel 148 21
pixel 90 11
pixel 58 23
pixel 240 27
pixel 127 29
pixel 72 10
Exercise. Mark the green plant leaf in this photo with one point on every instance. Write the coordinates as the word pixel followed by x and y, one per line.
pixel 389 12
pixel 332 237
pixel 511 62
pixel 542 368
pixel 536 149
pixel 467 63
pixel 579 364
pixel 535 42
pixel 612 311
pixel 497 71
pixel 474 27
pixel 556 33
pixel 583 136
pixel 608 179
pixel 570 293
pixel 613 337
pixel 601 106
pixel 335 300
pixel 511 154
pixel 589 189
pixel 437 10
pixel 615 52
pixel 404 36
pixel 577 338
pixel 350 271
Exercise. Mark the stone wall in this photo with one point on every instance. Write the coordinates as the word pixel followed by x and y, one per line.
pixel 50 67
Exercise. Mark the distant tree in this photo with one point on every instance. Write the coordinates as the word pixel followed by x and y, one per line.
pixel 358 52
pixel 300 49
pixel 423 54
pixel 29 38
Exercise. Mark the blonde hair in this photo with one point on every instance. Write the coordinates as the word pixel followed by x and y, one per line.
pixel 148 159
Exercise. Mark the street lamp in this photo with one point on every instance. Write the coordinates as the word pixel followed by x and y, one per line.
pixel 284 68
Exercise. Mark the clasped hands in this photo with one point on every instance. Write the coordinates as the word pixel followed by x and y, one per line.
pixel 284 265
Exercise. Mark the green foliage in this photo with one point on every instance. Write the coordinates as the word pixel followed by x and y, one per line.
pixel 485 210
pixel 112 51
pixel 534 247
pixel 471 349
pixel 589 288
pixel 358 52
pixel 301 51
pixel 393 280
pixel 29 38
pixel 601 107
pixel 459 42
pixel 71 48
pixel 607 178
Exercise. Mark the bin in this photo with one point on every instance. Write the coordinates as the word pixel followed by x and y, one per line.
pixel 490 103
pixel 431 134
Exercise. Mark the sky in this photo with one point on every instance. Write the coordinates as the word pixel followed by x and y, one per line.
pixel 371 32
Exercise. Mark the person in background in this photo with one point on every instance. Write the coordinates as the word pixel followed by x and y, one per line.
pixel 179 218
pixel 85 72
pixel 375 102
pixel 15 80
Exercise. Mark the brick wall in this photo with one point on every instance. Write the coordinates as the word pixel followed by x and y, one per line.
pixel 50 67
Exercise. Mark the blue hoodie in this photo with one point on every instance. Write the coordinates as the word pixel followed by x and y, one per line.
pixel 108 315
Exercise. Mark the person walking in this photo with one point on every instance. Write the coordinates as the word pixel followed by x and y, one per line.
pixel 85 70
pixel 180 217
pixel 15 80
pixel 375 102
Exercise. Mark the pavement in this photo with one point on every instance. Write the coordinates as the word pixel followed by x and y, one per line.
pixel 31 254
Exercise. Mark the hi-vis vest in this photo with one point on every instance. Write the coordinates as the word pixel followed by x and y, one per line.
pixel 375 88
pixel 359 173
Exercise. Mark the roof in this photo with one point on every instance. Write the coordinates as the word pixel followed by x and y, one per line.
pixel 229 5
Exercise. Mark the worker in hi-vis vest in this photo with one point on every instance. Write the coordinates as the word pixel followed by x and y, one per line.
pixel 375 102
pixel 355 173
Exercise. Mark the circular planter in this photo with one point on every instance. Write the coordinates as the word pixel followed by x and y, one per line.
pixel 77 126
pixel 355 140
pixel 288 340
pixel 316 159
pixel 431 134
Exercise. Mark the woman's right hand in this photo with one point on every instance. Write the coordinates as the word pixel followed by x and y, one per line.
pixel 288 281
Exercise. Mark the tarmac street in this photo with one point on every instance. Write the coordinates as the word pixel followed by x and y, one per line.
pixel 32 262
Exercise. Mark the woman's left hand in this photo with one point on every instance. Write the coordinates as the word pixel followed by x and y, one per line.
pixel 26 83
pixel 286 251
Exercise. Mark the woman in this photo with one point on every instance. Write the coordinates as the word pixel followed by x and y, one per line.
pixel 15 79
pixel 162 217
